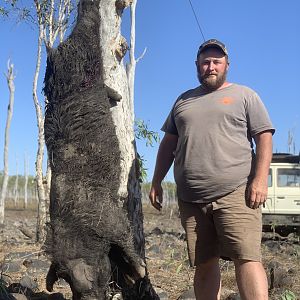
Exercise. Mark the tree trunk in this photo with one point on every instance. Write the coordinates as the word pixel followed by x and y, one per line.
pixel 49 27
pixel 16 187
pixel 11 86
pixel 26 163
pixel 112 48
pixel 41 217
pixel 130 68
pixel 95 238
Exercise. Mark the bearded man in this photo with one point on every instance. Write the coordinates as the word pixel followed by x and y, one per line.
pixel 221 182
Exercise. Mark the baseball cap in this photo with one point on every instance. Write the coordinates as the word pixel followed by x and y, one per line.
pixel 212 43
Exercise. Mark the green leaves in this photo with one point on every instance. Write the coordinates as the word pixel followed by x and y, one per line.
pixel 142 132
pixel 142 169
pixel 3 11
pixel 179 268
pixel 288 295
pixel 15 10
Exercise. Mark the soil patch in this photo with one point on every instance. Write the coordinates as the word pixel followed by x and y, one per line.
pixel 24 265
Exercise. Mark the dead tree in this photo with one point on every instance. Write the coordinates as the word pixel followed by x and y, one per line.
pixel 11 86
pixel 26 163
pixel 16 186
pixel 41 216
pixel 130 67
pixel 52 20
pixel 95 237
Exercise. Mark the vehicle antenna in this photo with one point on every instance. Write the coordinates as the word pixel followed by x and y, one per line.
pixel 197 20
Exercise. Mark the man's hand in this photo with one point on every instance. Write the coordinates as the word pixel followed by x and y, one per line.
pixel 257 193
pixel 164 160
pixel 156 196
pixel 258 189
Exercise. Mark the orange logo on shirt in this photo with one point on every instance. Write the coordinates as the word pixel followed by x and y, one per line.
pixel 226 100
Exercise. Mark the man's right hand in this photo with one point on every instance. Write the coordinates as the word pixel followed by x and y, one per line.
pixel 156 196
pixel 164 160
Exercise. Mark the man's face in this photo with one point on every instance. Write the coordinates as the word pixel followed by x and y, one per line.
pixel 212 67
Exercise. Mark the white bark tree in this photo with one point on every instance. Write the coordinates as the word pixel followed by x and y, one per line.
pixel 52 19
pixel 112 44
pixel 26 164
pixel 10 77
pixel 130 67
pixel 41 218
pixel 16 186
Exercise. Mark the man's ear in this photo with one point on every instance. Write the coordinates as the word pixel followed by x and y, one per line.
pixel 228 63
pixel 197 65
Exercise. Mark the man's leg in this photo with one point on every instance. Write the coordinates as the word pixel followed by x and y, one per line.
pixel 251 279
pixel 239 229
pixel 207 280
pixel 203 248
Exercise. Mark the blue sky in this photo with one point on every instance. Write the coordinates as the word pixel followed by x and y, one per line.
pixel 262 38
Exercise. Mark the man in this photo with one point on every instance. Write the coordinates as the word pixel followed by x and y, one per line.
pixel 221 183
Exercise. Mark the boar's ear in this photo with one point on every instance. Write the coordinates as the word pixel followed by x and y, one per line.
pixel 83 275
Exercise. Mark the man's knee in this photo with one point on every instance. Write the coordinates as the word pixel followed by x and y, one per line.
pixel 204 268
pixel 207 280
pixel 242 263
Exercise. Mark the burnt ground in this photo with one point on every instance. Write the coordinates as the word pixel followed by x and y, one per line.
pixel 24 267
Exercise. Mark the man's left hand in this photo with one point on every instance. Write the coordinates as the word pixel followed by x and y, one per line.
pixel 257 193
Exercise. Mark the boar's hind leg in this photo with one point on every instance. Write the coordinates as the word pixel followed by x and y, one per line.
pixel 54 274
pixel 51 277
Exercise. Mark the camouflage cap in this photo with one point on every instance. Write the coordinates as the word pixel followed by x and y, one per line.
pixel 212 43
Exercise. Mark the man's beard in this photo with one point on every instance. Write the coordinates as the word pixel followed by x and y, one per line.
pixel 212 83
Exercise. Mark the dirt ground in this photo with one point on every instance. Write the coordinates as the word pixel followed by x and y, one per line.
pixel 166 258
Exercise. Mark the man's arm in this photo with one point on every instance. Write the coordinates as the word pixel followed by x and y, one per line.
pixel 164 160
pixel 258 189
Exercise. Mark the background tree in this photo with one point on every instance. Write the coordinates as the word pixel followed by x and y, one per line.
pixel 26 166
pixel 131 66
pixel 11 86
pixel 16 186
pixel 291 141
pixel 52 20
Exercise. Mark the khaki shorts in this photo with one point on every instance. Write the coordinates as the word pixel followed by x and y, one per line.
pixel 225 228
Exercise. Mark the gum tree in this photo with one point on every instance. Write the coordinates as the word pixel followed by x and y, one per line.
pixel 10 77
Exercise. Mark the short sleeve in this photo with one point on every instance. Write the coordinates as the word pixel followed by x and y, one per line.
pixel 169 126
pixel 257 116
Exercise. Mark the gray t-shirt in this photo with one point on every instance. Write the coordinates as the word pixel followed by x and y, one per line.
pixel 214 153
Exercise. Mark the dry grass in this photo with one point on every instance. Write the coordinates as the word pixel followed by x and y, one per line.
pixel 164 271
pixel 169 268
pixel 20 205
